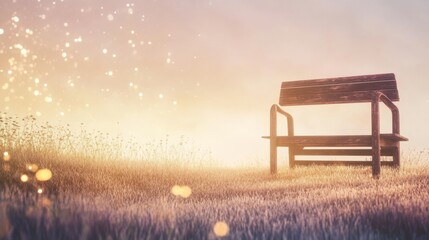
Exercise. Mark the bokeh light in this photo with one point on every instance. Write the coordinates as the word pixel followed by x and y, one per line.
pixel 45 202
pixel 24 178
pixel 181 191
pixel 40 191
pixel 186 191
pixel 176 190
pixel 43 175
pixel 32 167
pixel 221 229
pixel 6 156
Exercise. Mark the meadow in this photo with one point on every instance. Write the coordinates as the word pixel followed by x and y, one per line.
pixel 104 187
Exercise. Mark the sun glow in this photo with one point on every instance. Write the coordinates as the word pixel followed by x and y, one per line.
pixel 191 81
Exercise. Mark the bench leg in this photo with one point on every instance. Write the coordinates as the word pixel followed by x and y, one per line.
pixel 273 139
pixel 396 157
pixel 291 157
pixel 273 157
pixel 376 164
pixel 375 125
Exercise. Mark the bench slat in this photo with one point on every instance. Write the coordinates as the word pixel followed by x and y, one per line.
pixel 386 140
pixel 393 137
pixel 345 88
pixel 339 80
pixel 342 152
pixel 320 141
pixel 334 97
pixel 340 163
pixel 338 90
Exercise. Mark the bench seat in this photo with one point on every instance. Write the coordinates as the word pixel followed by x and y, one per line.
pixel 332 141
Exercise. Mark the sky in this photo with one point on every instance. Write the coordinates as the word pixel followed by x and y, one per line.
pixel 208 70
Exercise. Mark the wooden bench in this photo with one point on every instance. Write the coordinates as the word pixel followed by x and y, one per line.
pixel 355 89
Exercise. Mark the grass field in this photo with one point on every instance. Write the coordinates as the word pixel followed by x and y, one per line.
pixel 95 193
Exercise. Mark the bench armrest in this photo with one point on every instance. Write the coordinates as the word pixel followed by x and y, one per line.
pixel 379 96
pixel 273 120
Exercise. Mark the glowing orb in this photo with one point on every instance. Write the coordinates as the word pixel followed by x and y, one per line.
pixel 186 191
pixel 221 229
pixel 24 178
pixel 181 191
pixel 15 19
pixel 39 191
pixel 48 99
pixel 24 52
pixel 176 190
pixel 6 156
pixel 32 167
pixel 43 175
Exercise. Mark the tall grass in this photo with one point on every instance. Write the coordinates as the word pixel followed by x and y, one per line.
pixel 96 193
pixel 26 136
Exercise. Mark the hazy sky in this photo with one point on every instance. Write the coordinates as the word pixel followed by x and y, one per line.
pixel 208 70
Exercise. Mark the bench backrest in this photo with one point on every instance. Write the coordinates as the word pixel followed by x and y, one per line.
pixel 338 90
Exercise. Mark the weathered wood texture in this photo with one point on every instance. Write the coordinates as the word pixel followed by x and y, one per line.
pixel 387 140
pixel 343 152
pixel 338 90
pixel 340 163
pixel 367 88
pixel 273 139
pixel 375 124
